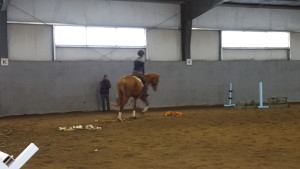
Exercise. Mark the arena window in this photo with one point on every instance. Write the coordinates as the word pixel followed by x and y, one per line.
pixel 256 40
pixel 112 37
pixel 251 45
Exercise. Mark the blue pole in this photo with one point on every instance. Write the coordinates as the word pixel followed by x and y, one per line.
pixel 260 86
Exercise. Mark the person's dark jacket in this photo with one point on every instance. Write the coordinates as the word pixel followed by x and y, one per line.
pixel 104 86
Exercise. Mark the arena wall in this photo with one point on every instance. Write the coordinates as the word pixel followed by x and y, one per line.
pixel 48 87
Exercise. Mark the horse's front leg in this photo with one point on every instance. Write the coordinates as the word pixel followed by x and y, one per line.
pixel 144 99
pixel 134 107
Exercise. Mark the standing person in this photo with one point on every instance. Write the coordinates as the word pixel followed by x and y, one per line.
pixel 104 91
pixel 139 70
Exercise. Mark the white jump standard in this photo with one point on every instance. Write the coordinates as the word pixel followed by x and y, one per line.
pixel 230 97
pixel 261 106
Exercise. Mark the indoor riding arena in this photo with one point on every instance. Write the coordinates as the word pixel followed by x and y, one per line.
pixel 226 93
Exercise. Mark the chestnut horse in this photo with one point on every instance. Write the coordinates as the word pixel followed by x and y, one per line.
pixel 132 86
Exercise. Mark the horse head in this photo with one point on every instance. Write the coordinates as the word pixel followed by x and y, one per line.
pixel 152 79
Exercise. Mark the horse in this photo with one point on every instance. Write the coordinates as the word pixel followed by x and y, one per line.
pixel 131 86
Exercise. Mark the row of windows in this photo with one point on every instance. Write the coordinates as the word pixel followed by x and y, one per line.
pixel 136 37
pixel 99 36
pixel 247 39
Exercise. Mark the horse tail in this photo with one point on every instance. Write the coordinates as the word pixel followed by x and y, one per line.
pixel 120 93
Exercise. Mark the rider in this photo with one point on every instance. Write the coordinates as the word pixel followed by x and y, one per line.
pixel 139 70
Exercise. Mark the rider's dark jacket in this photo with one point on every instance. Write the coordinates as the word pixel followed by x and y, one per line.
pixel 139 65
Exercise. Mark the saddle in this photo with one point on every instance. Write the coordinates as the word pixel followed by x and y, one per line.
pixel 137 78
pixel 144 92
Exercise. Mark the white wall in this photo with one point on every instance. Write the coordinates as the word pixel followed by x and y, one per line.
pixel 163 45
pixel 141 14
pixel 96 12
pixel 295 46
pixel 249 19
pixel 34 42
pixel 29 42
pixel 252 54
pixel 205 45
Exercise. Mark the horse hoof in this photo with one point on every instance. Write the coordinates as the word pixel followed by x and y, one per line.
pixel 145 109
pixel 120 119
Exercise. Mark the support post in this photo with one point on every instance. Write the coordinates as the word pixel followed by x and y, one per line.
pixel 4 4
pixel 3 35
pixel 186 32
pixel 260 86
pixel 189 11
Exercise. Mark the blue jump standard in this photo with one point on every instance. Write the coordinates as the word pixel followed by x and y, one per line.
pixel 261 106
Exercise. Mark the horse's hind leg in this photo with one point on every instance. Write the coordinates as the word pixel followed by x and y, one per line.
pixel 144 99
pixel 134 107
pixel 123 102
pixel 119 117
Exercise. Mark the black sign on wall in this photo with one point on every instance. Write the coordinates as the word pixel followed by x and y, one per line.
pixel 3 35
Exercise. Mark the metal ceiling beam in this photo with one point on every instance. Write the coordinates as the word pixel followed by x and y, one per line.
pixel 189 11
pixel 156 1
pixel 261 6
pixel 198 8
pixel 4 4
pixel 267 2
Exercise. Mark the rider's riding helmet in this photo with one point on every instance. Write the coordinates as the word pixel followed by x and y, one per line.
pixel 141 53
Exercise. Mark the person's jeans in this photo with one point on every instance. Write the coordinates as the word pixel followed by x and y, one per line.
pixel 105 98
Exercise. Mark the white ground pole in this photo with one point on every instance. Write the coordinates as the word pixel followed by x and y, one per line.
pixel 22 158
pixel 261 106
pixel 3 166
pixel 230 97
